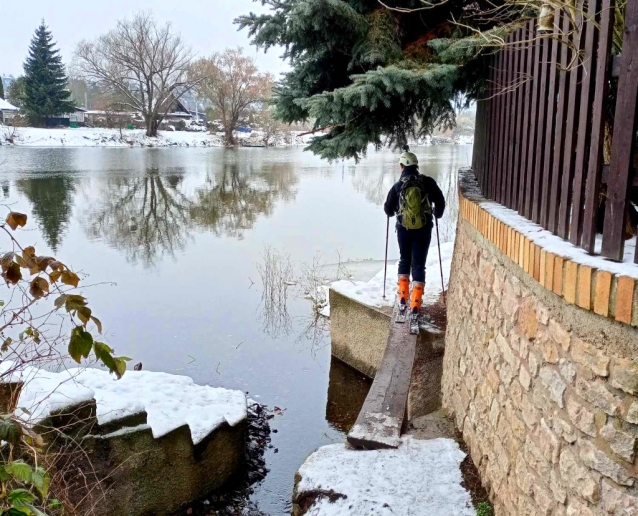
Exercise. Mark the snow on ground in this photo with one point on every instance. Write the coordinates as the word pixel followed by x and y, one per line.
pixel 421 477
pixel 371 293
pixel 95 137
pixel 169 400
pixel 547 240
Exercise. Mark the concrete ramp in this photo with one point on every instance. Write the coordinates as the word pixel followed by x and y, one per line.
pixel 381 419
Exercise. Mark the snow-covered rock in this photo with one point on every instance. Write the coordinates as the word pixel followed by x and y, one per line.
pixel 421 477
pixel 170 401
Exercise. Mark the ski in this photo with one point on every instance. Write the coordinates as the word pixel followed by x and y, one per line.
pixel 402 313
pixel 414 324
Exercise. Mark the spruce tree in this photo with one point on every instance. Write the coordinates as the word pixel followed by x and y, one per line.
pixel 369 74
pixel 46 90
pixel 1 88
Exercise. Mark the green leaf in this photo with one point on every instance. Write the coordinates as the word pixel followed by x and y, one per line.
pixel 120 367
pixel 36 512
pixel 74 302
pixel 21 497
pixel 104 355
pixel 20 471
pixel 84 314
pixel 81 344
pixel 4 476
pixel 10 431
pixel 18 511
pixel 55 504
pixel 41 480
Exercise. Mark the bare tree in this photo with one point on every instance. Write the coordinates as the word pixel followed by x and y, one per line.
pixel 232 83
pixel 143 64
pixel 268 123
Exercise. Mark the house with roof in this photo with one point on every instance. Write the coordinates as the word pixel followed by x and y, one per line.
pixel 7 111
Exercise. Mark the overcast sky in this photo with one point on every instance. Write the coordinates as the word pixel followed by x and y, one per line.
pixel 206 25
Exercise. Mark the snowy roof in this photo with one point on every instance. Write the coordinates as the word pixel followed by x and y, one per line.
pixel 5 106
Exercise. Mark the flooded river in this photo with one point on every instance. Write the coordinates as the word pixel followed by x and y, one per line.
pixel 172 241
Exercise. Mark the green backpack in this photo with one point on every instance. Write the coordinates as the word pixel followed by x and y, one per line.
pixel 414 204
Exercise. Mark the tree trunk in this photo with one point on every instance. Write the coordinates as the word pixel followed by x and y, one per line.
pixel 230 138
pixel 151 127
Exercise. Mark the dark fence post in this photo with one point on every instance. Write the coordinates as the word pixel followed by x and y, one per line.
pixel 565 209
pixel 601 88
pixel 584 124
pixel 623 146
pixel 548 170
pixel 519 69
pixel 527 95
pixel 561 114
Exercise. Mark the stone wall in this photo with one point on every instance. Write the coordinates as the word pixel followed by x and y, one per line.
pixel 545 392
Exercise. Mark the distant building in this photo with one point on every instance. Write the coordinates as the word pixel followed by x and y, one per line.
pixel 77 117
pixel 7 112
pixel 7 80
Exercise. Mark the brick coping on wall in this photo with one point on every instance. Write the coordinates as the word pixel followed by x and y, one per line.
pixel 599 291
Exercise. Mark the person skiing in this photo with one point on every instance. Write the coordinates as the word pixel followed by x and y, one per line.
pixel 414 199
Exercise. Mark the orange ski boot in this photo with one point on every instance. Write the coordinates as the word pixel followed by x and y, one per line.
pixel 416 300
pixel 403 296
pixel 404 290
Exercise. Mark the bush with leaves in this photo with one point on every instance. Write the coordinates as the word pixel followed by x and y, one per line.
pixel 41 309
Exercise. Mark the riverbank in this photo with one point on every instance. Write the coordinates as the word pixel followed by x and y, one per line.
pixel 96 137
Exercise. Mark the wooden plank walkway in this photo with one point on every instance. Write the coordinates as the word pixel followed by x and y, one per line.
pixel 381 418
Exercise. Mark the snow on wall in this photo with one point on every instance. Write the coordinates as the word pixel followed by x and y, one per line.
pixel 169 400
pixel 547 240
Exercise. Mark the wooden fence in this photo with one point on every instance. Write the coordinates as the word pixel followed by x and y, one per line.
pixel 540 129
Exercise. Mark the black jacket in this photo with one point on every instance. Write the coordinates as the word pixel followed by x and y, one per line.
pixel 430 188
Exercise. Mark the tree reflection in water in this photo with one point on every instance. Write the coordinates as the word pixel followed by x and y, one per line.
pixel 145 217
pixel 51 201
pixel 150 216
pixel 233 200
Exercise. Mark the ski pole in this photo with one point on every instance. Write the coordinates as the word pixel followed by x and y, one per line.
pixel 440 259
pixel 385 270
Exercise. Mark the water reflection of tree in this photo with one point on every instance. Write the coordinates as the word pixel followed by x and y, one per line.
pixel 143 216
pixel 375 185
pixel 51 201
pixel 233 200
pixel 150 216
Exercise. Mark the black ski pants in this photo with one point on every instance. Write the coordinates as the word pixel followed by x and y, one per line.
pixel 413 247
